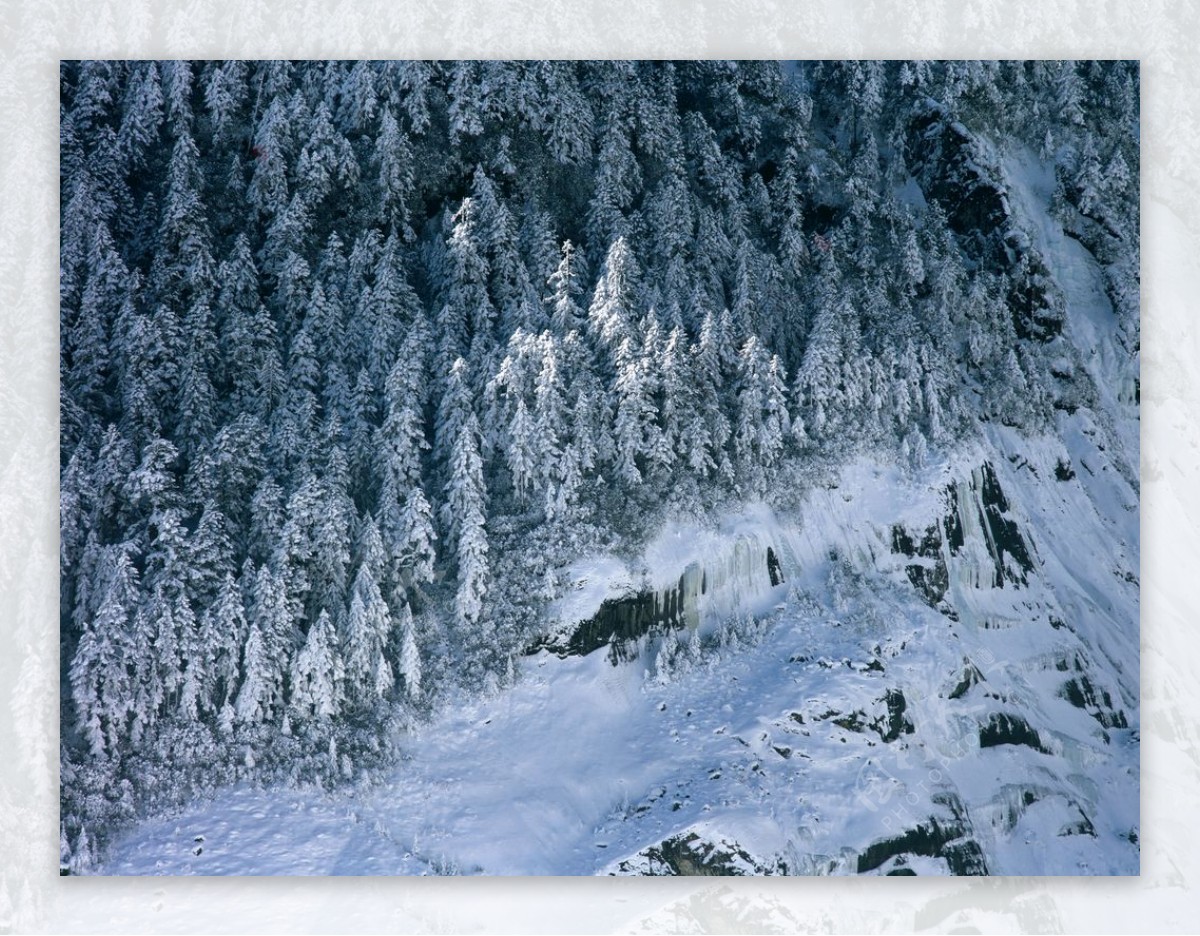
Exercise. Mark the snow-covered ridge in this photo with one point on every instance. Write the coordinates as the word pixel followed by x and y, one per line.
pixel 865 732
pixel 733 566
pixel 687 577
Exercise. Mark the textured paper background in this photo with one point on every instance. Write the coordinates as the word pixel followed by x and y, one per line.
pixel 35 35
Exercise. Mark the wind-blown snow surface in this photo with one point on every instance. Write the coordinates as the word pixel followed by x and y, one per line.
pixel 918 696
pixel 583 765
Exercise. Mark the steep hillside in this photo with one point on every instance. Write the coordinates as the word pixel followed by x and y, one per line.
pixel 922 693
pixel 601 467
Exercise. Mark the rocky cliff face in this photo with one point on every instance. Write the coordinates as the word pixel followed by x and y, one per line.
pixel 958 172
pixel 943 686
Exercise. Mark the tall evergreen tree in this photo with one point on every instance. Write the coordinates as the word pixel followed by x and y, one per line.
pixel 317 672
pixel 466 507
pixel 99 671
pixel 410 655
pixel 368 624
pixel 394 165
pixel 614 302
pixel 566 289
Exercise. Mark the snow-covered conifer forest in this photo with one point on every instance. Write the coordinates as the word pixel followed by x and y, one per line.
pixel 599 467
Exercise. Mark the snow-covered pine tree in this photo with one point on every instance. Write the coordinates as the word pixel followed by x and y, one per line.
pixel 410 655
pixel 317 672
pixel 618 179
pixel 455 409
pixel 393 163
pixel 467 314
pixel 265 665
pixel 417 555
pixel 225 94
pixel 466 505
pixel 635 414
pixel 256 697
pixel 567 115
pixel 368 624
pixel 550 417
pixel 99 671
pixel 225 630
pixel 327 162
pixel 399 446
pixel 566 289
pixel 710 432
pixel 521 451
pixel 613 308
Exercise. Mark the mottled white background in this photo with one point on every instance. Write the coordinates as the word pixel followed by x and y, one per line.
pixel 35 35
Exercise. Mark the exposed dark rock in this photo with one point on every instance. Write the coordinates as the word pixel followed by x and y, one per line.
pixel 934 838
pixel 965 857
pixel 889 726
pixel 1002 728
pixel 950 169
pixel 896 722
pixel 970 677
pixel 774 569
pixel 1080 692
pixel 1037 311
pixel 953 524
pixel 1016 799
pixel 622 622
pixel 1063 470
pixel 1005 542
pixel 1003 534
pixel 689 855
pixel 1021 462
pixel 1064 664
pixel 901 542
pixel 954 171
pixel 931 582
pixel 1081 826
pixel 930 577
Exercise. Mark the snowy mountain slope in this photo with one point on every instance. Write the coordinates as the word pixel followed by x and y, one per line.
pixel 737 474
pixel 855 720
pixel 941 684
